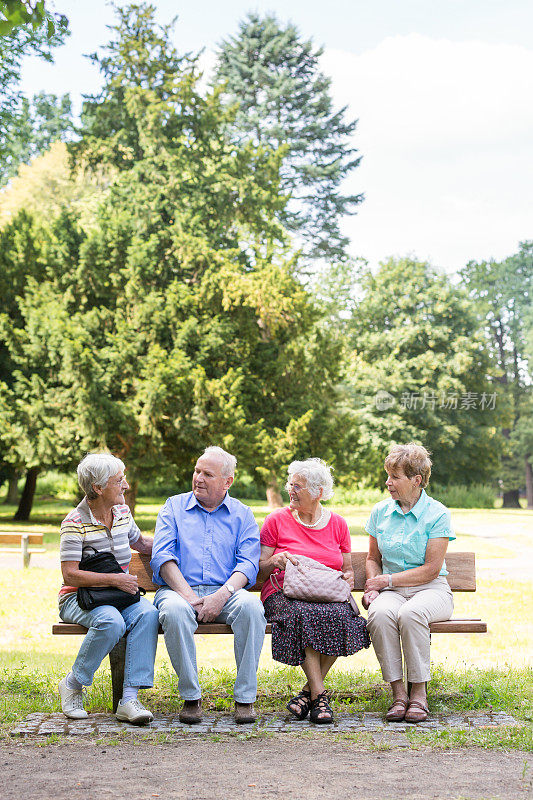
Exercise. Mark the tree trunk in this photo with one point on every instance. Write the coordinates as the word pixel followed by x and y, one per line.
pixel 529 483
pixel 131 496
pixel 28 493
pixel 273 494
pixel 12 496
pixel 511 499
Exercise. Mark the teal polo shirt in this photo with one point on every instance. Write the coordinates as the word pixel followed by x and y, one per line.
pixel 402 538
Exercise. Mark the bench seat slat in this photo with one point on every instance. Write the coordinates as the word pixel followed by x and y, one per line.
pixel 13 537
pixel 450 626
pixel 462 578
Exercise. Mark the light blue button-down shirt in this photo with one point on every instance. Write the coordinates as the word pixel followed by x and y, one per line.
pixel 207 546
pixel 402 538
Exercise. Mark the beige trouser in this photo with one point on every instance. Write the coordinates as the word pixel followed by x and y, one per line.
pixel 399 618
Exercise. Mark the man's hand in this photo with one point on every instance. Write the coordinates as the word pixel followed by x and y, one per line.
pixel 128 583
pixel 209 607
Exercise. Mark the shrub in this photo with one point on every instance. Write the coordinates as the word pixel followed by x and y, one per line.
pixel 477 495
pixel 57 484
pixel 366 496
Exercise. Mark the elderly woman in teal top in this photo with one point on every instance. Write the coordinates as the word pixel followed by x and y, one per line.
pixel 406 587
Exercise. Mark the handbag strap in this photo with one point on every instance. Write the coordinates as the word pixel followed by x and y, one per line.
pixel 353 603
pixel 274 582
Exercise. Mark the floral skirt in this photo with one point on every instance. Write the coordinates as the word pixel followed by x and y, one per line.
pixel 329 628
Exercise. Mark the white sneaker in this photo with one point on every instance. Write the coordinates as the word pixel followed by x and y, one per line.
pixel 71 701
pixel 133 711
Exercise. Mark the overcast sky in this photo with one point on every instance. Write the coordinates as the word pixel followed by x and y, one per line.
pixel 441 88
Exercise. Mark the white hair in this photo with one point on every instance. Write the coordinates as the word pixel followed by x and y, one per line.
pixel 317 474
pixel 97 468
pixel 229 462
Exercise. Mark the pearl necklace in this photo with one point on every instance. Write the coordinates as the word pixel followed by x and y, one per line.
pixel 310 524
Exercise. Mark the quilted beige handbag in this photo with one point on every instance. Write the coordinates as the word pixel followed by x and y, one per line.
pixel 313 582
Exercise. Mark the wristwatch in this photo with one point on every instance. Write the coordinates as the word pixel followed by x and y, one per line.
pixel 230 588
pixel 390 581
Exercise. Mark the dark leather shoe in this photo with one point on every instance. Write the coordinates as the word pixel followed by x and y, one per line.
pixel 191 712
pixel 245 713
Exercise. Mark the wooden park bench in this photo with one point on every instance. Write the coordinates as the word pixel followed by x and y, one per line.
pixel 461 577
pixel 23 539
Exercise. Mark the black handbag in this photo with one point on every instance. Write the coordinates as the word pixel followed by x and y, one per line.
pixel 90 597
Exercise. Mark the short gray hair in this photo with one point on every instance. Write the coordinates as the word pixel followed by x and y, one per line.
pixel 412 459
pixel 229 462
pixel 317 474
pixel 97 468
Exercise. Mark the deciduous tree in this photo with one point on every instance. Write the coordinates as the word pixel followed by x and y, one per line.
pixel 502 292
pixel 21 42
pixel 420 371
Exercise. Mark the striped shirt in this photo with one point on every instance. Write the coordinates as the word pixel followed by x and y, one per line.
pixel 81 529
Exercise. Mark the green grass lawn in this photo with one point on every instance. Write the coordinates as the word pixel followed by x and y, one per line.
pixel 470 671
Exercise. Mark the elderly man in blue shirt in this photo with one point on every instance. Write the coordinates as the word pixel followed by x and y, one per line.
pixel 206 550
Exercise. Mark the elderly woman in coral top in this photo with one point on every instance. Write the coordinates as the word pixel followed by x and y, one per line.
pixel 311 635
pixel 406 587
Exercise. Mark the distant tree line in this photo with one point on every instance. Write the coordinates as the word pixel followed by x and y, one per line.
pixel 172 275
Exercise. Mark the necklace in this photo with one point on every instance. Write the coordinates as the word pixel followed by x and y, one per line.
pixel 310 524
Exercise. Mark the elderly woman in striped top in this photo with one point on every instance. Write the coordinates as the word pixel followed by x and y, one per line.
pixel 103 522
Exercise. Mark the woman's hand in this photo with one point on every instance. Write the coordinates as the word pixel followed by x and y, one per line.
pixel 349 577
pixel 279 560
pixel 369 597
pixel 376 583
pixel 128 583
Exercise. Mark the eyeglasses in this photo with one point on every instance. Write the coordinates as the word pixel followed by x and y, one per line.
pixel 294 487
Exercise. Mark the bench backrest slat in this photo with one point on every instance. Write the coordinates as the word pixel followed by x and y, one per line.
pixel 461 568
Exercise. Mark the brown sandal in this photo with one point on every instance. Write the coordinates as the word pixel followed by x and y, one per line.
pixel 416 711
pixel 396 712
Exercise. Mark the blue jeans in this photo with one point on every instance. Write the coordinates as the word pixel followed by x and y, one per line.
pixel 139 623
pixel 242 611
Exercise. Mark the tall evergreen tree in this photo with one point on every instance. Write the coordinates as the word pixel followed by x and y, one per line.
pixel 196 332
pixel 284 100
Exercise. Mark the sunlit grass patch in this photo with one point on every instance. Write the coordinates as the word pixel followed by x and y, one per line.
pixel 471 672
pixel 509 738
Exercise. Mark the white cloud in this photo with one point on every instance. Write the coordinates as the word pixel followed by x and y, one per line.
pixel 446 132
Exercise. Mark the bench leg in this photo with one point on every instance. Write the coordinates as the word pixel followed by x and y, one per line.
pixel 24 547
pixel 117 658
